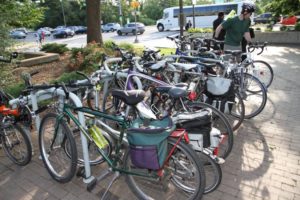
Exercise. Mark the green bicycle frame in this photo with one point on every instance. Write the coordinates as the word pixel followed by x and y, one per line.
pixel 67 110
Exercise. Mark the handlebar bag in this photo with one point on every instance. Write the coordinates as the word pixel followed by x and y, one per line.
pixel 148 142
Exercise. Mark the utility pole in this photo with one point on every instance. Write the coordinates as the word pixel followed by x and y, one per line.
pixel 194 2
pixel 181 19
pixel 63 12
pixel 120 12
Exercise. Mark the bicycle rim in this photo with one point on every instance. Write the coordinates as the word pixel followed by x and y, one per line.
pixel 261 70
pixel 16 144
pixel 54 137
pixel 183 178
pixel 254 96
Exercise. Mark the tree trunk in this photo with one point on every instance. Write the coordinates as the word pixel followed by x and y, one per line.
pixel 93 22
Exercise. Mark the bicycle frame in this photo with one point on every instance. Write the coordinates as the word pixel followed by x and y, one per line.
pixel 180 134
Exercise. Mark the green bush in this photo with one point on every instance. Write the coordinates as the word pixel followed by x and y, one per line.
pixel 55 48
pixel 200 30
pixel 147 21
pixel 297 27
pixel 65 77
pixel 127 46
pixel 109 44
pixel 15 89
pixel 284 28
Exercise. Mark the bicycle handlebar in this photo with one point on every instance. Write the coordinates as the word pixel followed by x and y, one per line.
pixel 256 45
pixel 110 60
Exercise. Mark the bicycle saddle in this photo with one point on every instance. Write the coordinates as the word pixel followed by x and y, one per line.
pixel 130 97
pixel 184 66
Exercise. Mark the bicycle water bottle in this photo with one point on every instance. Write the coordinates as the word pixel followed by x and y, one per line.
pixel 98 137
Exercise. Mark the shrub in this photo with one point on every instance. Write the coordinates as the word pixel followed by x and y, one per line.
pixel 109 44
pixel 297 27
pixel 66 77
pixel 127 46
pixel 284 28
pixel 200 30
pixel 15 89
pixel 147 21
pixel 55 48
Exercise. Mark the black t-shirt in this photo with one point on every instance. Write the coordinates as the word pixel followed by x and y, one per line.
pixel 216 23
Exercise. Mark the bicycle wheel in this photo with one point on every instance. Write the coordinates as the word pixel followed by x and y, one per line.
pixel 236 113
pixel 54 137
pixel 261 70
pixel 221 123
pixel 183 178
pixel 254 95
pixel 16 144
pixel 213 172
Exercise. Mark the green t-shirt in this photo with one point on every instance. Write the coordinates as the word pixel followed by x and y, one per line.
pixel 235 29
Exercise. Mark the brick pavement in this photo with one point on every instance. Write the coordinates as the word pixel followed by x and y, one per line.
pixel 264 164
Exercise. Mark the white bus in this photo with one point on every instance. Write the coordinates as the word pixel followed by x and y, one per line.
pixel 204 15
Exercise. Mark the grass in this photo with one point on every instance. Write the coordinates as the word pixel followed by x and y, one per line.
pixel 167 51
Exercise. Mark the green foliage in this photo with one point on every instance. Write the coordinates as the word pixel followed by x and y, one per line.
pixel 15 89
pixel 109 44
pixel 86 59
pixel 75 13
pixel 55 48
pixel 127 46
pixel 283 28
pixel 146 20
pixel 17 14
pixel 200 30
pixel 66 77
pixel 281 7
pixel 167 51
pixel 297 27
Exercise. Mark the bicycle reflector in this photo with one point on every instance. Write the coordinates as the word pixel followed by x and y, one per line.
pixel 192 96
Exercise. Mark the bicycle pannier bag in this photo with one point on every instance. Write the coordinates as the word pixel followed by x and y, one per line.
pixel 148 143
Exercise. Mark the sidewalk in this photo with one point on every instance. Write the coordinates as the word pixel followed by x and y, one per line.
pixel 264 163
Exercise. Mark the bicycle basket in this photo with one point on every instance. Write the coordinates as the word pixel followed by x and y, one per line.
pixel 148 145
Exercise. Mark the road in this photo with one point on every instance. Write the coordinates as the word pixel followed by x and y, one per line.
pixel 151 38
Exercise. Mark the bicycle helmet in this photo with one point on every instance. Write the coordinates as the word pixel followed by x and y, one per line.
pixel 248 7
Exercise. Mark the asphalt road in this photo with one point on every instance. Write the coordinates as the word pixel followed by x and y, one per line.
pixel 151 38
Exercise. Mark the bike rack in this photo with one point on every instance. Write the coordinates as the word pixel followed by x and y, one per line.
pixel 41 95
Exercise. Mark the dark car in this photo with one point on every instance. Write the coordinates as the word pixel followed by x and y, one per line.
pixel 265 18
pixel 63 33
pixel 130 28
pixel 81 30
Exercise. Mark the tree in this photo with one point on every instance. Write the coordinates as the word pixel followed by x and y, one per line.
pixel 93 22
pixel 15 13
pixel 282 7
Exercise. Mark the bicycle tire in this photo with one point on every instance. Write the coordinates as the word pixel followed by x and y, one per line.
pixel 19 137
pixel 64 138
pixel 221 123
pixel 239 114
pixel 260 72
pixel 213 172
pixel 153 188
pixel 246 93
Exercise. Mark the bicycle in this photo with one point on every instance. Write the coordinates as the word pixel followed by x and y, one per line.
pixel 162 175
pixel 13 137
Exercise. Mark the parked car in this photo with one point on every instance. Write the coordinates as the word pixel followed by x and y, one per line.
pixel 130 28
pixel 110 27
pixel 24 30
pixel 292 20
pixel 46 32
pixel 265 18
pixel 81 30
pixel 17 34
pixel 63 33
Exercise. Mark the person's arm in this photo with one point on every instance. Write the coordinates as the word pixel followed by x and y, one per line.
pixel 247 37
pixel 218 30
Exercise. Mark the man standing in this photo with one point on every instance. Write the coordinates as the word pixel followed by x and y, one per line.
pixel 188 25
pixel 237 28
pixel 216 23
